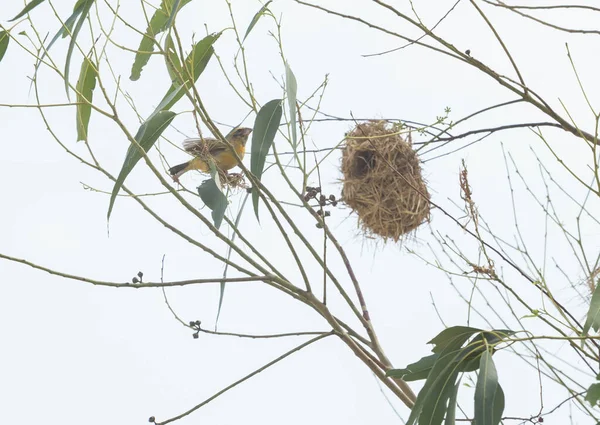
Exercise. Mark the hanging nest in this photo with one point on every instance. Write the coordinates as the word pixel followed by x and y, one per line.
pixel 382 181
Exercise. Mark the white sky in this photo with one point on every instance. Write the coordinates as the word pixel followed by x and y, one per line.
pixel 74 353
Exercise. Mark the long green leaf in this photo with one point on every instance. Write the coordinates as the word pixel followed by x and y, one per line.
pixel 226 268
pixel 172 59
pixel 4 39
pixel 263 134
pixel 593 316
pixel 158 23
pixel 194 65
pixel 28 8
pixel 592 395
pixel 498 405
pixel 448 335
pixel 485 391
pixel 174 10
pixel 85 92
pixel 451 411
pixel 85 8
pixel 432 399
pixel 256 18
pixel 291 88
pixel 415 371
pixel 147 135
pixel 63 31
pixel 213 197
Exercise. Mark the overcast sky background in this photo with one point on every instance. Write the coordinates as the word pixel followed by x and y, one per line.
pixel 74 353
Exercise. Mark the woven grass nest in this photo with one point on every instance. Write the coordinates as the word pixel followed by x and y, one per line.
pixel 382 181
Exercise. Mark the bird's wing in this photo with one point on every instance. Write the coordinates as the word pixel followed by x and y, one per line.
pixel 200 147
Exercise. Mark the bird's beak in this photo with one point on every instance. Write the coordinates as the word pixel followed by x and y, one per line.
pixel 247 131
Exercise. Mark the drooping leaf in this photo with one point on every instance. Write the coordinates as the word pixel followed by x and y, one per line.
pixel 415 371
pixel 158 23
pixel 432 399
pixel 498 405
pixel 174 10
pixel 451 411
pixel 68 25
pixel 4 39
pixel 147 135
pixel 172 59
pixel 430 406
pixel 194 65
pixel 593 394
pixel 213 197
pixel 593 317
pixel 291 88
pixel 256 18
pixel 28 8
pixel 85 92
pixel 263 134
pixel 485 391
pixel 85 5
pixel 65 30
pixel 448 336
pixel 226 268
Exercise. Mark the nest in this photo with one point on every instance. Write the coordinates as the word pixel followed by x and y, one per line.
pixel 382 181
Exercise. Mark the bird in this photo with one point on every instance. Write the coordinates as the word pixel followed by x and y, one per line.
pixel 220 152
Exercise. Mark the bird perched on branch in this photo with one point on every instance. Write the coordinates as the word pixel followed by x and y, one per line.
pixel 220 152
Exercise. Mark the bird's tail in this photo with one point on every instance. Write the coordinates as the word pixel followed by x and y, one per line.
pixel 178 170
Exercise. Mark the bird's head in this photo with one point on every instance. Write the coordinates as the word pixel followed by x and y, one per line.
pixel 241 134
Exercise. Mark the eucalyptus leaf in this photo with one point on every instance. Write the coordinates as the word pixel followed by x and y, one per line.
pixel 28 8
pixel 415 371
pixel 447 337
pixel 4 40
pixel 64 30
pixel 291 88
pixel 256 17
pixel 174 9
pixel 593 394
pixel 263 134
pixel 172 59
pixel 213 197
pixel 85 92
pixel 158 23
pixel 85 6
pixel 451 411
pixel 485 391
pixel 498 405
pixel 194 65
pixel 593 316
pixel 147 135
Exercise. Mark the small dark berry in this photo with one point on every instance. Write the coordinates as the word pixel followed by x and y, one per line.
pixel 468 52
pixel 152 419
pixel 135 280
pixel 541 420
pixel 197 322
pixel 140 275
pixel 332 198
pixel 318 189
pixel 319 212
pixel 327 213
pixel 307 197
pixel 195 335
pixel 319 225
pixel 192 324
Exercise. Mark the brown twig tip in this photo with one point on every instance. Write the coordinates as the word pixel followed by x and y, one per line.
pixel 382 181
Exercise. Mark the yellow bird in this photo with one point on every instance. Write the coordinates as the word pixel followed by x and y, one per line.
pixel 219 151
